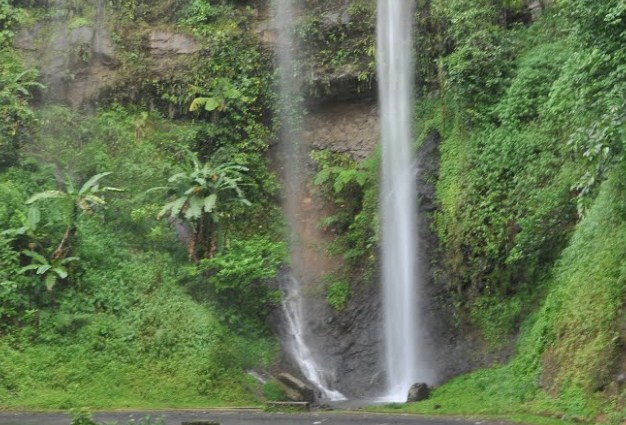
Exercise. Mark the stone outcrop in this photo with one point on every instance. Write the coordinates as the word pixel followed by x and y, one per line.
pixel 343 127
pixel 79 64
pixel 418 392
pixel 459 346
pixel 74 63
pixel 165 43
pixel 536 7
pixel 295 389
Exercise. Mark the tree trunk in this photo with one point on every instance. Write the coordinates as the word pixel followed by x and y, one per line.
pixel 65 246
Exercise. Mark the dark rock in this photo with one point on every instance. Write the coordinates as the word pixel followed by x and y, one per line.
pixel 418 392
pixel 295 389
pixel 343 127
pixel 331 20
pixel 338 84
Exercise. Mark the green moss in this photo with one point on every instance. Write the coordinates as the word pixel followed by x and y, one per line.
pixel 588 296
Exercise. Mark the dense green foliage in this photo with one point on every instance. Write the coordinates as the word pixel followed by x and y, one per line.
pixel 124 318
pixel 15 82
pixel 125 312
pixel 564 365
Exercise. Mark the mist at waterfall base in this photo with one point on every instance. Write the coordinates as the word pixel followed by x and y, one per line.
pixel 293 161
pixel 406 357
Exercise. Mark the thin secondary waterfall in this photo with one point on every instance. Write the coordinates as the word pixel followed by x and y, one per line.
pixel 308 364
pixel 293 161
pixel 405 351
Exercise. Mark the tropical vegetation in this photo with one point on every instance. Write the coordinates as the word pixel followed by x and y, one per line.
pixel 141 235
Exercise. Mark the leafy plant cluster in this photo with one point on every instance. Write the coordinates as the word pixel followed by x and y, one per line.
pixel 515 152
pixel 334 40
pixel 351 189
pixel 16 116
pixel 240 280
pixel 227 86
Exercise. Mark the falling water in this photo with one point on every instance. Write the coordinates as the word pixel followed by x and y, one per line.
pixel 405 351
pixel 309 366
pixel 293 161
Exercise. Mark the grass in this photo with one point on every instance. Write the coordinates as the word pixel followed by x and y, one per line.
pixel 152 346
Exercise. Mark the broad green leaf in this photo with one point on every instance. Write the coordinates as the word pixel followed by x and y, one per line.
pixel 196 103
pixel 34 217
pixel 69 186
pixel 84 205
pixel 70 260
pixel 92 182
pixel 28 268
pixel 19 231
pixel 212 103
pixel 48 194
pixel 173 208
pixel 209 202
pixel 230 92
pixel 361 178
pixel 191 190
pixel 51 280
pixel 43 268
pixel 61 271
pixel 158 188
pixel 177 177
pixel 209 103
pixel 194 209
pixel 95 200
pixel 322 176
pixel 35 256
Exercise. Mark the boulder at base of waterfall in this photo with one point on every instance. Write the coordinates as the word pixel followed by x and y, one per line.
pixel 295 389
pixel 418 392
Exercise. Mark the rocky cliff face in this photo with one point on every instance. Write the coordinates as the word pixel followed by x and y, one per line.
pixel 75 63
pixel 81 64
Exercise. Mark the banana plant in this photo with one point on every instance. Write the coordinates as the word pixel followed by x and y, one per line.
pixel 50 270
pixel 203 196
pixel 85 200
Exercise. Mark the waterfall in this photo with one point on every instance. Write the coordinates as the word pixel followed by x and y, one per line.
pixel 405 353
pixel 293 174
pixel 293 307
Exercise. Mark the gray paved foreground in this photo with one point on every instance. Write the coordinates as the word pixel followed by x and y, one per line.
pixel 239 418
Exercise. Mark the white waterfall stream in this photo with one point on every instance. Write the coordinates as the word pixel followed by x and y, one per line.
pixel 406 361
